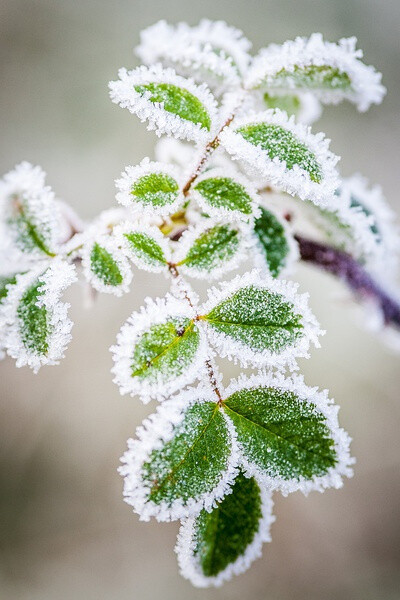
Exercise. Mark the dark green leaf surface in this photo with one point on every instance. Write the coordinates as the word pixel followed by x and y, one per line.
pixel 212 248
pixel 165 350
pixel 224 192
pixel 272 240
pixel 281 143
pixel 33 320
pixel 178 101
pixel 279 433
pixel 191 463
pixel 224 534
pixel 104 266
pixel 155 189
pixel 314 77
pixel 257 318
pixel 146 248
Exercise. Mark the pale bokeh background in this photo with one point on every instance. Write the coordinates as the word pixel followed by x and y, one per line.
pixel 65 532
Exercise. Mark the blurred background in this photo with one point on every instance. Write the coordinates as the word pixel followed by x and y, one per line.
pixel 65 532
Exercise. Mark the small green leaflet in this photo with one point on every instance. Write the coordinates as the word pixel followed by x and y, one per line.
pixel 34 325
pixel 181 462
pixel 224 193
pixel 30 235
pixel 282 144
pixel 289 103
pixel 283 436
pixel 176 100
pixel 155 189
pixel 222 536
pixel 258 319
pixel 313 77
pixel 145 249
pixel 272 241
pixel 165 351
pixel 104 266
pixel 211 250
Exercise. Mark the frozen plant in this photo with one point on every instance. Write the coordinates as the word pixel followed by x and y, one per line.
pixel 251 180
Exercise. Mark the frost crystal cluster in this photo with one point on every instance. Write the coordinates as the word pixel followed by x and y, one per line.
pixel 238 177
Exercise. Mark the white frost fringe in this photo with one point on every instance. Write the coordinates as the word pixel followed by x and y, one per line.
pixel 55 277
pixel 154 432
pixel 366 87
pixel 149 231
pixel 239 352
pixel 191 50
pixel 123 92
pixel 153 313
pixel 295 181
pixel 324 405
pixel 190 567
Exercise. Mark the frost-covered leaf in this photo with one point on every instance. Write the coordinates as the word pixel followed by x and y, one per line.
pixel 171 104
pixel 275 248
pixel 285 154
pixel 225 196
pixel 5 282
pixel 333 72
pixel 288 433
pixel 151 188
pixel 260 321
pixel 159 350
pixel 207 251
pixel 29 210
pixel 37 326
pixel 147 247
pixel 105 266
pixel 211 51
pixel 224 542
pixel 184 460
pixel 304 106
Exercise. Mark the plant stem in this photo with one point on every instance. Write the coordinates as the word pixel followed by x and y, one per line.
pixel 346 268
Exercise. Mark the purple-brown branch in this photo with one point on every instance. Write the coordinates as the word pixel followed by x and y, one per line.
pixel 346 268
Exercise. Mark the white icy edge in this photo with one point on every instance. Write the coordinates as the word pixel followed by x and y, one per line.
pixel 133 174
pixel 366 82
pixel 190 567
pixel 334 476
pixel 226 214
pixel 151 232
pixel 366 243
pixel 292 257
pixel 295 181
pixel 152 313
pixel 110 244
pixel 122 92
pixel 193 232
pixel 154 432
pixel 28 183
pixel 55 277
pixel 240 353
pixel 190 50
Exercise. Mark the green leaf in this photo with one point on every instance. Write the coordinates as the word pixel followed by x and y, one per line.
pixel 272 239
pixel 258 319
pixel 104 266
pixel 289 103
pixel 4 282
pixel 223 535
pixel 29 236
pixel 146 249
pixel 313 77
pixel 210 250
pixel 283 436
pixel 225 193
pixel 178 101
pixel 34 326
pixel 155 189
pixel 165 351
pixel 280 143
pixel 190 465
